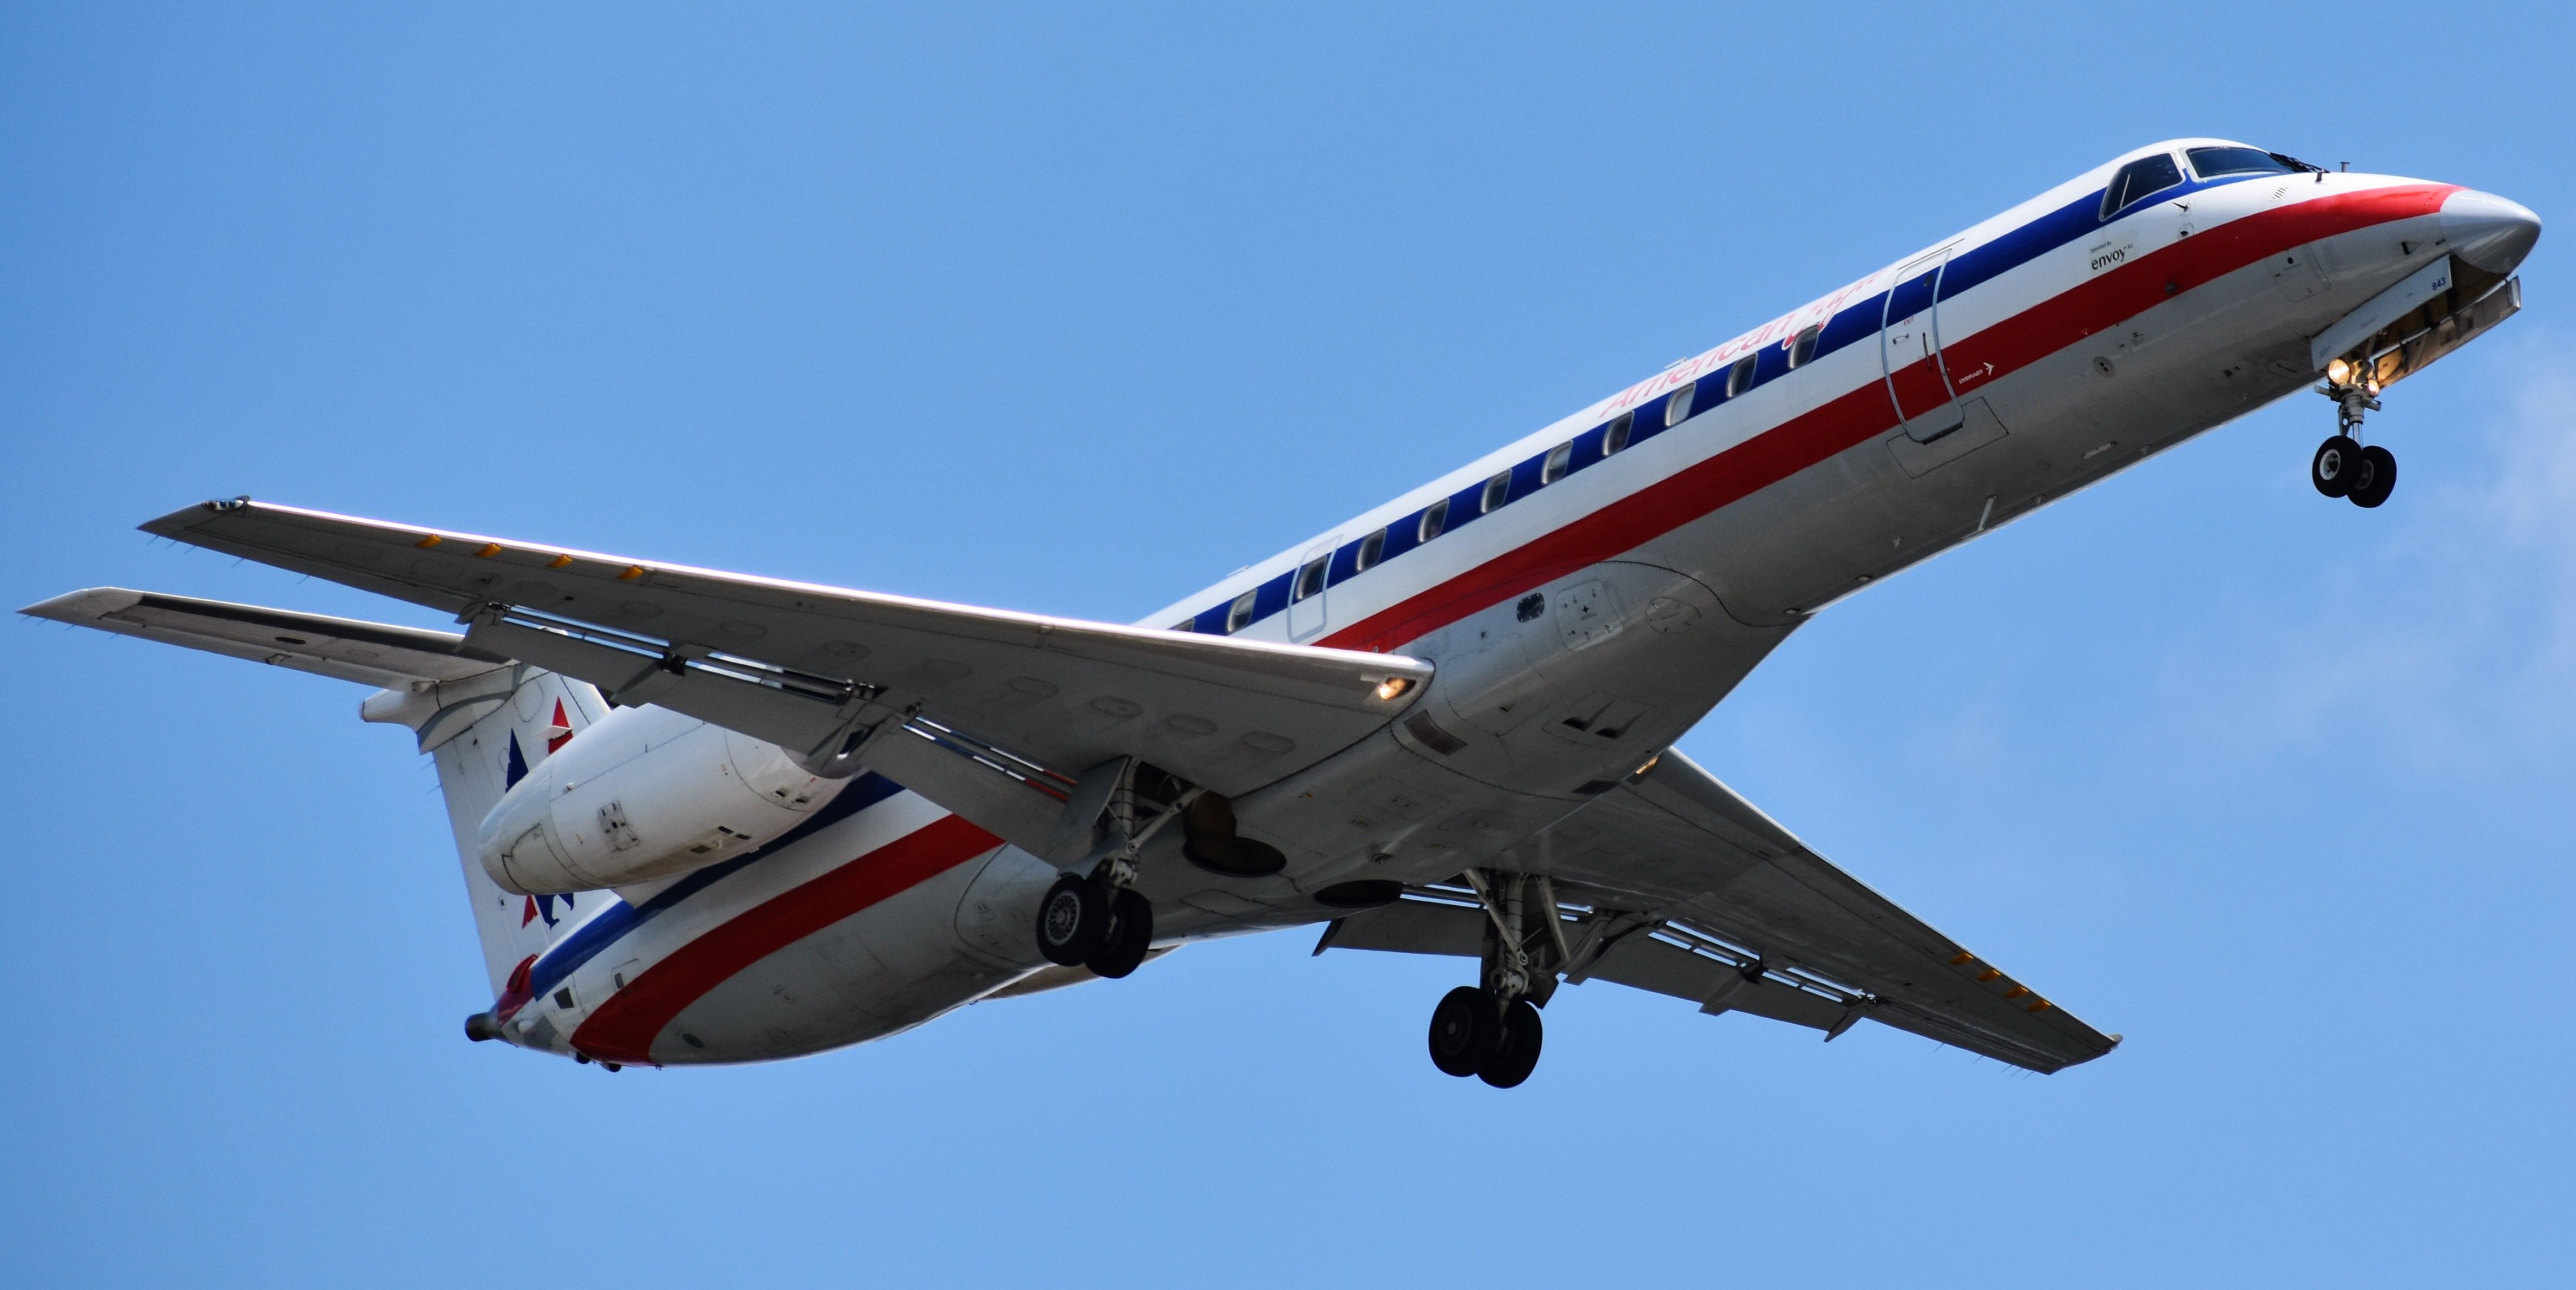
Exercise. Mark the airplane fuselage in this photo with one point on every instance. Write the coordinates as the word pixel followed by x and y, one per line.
pixel 1587 593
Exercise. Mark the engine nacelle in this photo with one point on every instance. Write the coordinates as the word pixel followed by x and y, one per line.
pixel 645 793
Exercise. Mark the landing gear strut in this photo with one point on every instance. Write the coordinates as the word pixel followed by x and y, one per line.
pixel 1493 1031
pixel 2343 467
pixel 1098 919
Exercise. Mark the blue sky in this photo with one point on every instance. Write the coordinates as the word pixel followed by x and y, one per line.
pixel 1076 311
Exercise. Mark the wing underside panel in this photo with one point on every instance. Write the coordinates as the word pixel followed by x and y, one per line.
pixel 819 670
pixel 1672 883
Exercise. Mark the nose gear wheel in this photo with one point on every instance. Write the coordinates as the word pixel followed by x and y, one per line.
pixel 2365 476
pixel 2336 465
pixel 2377 479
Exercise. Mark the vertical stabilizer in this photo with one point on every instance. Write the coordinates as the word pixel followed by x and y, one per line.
pixel 485 735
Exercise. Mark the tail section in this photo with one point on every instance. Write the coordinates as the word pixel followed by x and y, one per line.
pixel 483 742
pixel 486 720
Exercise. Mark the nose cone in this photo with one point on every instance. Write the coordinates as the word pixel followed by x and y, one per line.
pixel 2488 231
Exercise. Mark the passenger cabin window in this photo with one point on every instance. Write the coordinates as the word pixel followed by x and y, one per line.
pixel 2210 163
pixel 1804 347
pixel 1240 616
pixel 1556 464
pixel 1372 548
pixel 1739 378
pixel 1311 578
pixel 2138 180
pixel 1677 408
pixel 1434 518
pixel 1497 491
pixel 1616 437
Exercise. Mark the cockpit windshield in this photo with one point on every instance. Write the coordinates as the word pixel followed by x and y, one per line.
pixel 2213 162
pixel 2139 179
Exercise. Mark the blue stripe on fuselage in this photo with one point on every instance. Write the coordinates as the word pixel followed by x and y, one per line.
pixel 1857 323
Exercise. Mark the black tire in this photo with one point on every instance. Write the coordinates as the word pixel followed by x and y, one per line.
pixel 1517 1055
pixel 1073 920
pixel 2378 477
pixel 1131 933
pixel 1464 1029
pixel 2336 467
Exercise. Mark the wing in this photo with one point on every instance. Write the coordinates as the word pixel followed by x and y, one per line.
pixel 367 653
pixel 1003 711
pixel 1675 884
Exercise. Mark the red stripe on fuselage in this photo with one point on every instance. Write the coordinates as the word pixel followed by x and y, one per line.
pixel 1838 424
pixel 623 1029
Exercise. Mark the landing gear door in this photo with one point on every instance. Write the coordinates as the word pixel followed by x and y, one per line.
pixel 1909 346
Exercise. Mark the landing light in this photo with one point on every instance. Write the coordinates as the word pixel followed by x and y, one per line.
pixel 2339 372
pixel 1393 686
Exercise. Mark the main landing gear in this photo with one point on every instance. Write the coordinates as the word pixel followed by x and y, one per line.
pixel 1097 919
pixel 2343 467
pixel 1478 1032
pixel 1492 1031
pixel 1084 922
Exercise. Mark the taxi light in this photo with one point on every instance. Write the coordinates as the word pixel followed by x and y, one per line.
pixel 1394 686
pixel 2339 372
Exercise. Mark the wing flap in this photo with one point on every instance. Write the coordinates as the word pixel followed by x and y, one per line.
pixel 346 649
pixel 1644 962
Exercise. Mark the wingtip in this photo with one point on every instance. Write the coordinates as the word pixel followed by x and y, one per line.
pixel 83 605
pixel 179 521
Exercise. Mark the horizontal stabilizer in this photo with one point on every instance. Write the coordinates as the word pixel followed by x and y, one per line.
pixel 348 649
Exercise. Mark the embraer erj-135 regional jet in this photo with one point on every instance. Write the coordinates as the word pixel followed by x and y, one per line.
pixel 707 817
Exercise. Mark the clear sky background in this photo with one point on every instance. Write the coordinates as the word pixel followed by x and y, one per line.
pixel 1075 312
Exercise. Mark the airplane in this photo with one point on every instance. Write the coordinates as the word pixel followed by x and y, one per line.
pixel 709 818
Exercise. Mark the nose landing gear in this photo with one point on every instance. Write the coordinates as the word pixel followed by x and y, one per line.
pixel 2343 467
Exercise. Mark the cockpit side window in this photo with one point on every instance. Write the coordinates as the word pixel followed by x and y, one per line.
pixel 2210 163
pixel 2140 179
